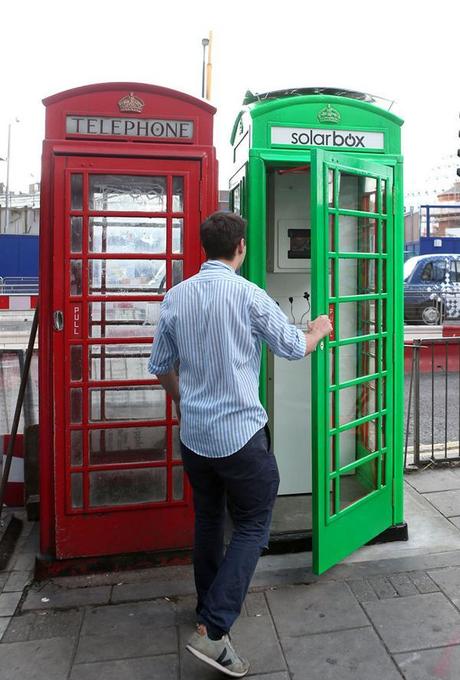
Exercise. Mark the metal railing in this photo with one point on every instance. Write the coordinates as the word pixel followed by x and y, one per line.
pixel 432 392
pixel 18 285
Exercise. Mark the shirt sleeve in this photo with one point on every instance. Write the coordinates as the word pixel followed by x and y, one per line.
pixel 164 349
pixel 272 325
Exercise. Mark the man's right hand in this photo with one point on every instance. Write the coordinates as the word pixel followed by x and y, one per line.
pixel 318 329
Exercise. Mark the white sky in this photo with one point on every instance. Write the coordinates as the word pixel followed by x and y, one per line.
pixel 404 51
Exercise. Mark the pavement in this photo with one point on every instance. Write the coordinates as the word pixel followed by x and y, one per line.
pixel 387 612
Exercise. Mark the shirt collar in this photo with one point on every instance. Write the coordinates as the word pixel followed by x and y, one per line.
pixel 216 264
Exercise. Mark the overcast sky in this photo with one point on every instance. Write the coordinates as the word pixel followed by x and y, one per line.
pixel 404 51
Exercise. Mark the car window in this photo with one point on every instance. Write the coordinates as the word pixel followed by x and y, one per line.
pixel 454 271
pixel 434 271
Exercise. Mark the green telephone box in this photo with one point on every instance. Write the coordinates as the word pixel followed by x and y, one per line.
pixel 318 175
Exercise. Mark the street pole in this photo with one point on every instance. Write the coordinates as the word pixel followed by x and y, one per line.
pixel 205 43
pixel 209 68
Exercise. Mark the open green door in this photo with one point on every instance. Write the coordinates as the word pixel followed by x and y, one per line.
pixel 352 419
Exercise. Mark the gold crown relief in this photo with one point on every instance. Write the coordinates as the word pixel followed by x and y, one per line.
pixel 131 103
pixel 329 115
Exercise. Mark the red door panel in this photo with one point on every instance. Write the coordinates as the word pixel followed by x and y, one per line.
pixel 129 230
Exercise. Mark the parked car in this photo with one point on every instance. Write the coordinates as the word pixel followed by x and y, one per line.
pixel 432 288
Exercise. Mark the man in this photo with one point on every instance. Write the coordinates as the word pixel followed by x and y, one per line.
pixel 214 324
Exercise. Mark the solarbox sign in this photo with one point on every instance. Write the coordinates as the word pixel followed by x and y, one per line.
pixel 339 139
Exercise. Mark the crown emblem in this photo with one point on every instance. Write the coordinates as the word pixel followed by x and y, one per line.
pixel 329 115
pixel 131 103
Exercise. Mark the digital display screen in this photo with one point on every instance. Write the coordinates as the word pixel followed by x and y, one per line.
pixel 299 244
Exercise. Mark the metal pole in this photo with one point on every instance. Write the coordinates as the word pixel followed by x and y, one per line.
pixel 209 68
pixel 416 350
pixel 7 188
pixel 205 43
pixel 17 412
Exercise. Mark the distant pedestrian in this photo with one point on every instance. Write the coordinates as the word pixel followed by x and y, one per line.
pixel 214 324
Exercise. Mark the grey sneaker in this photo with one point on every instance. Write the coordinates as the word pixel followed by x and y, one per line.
pixel 219 654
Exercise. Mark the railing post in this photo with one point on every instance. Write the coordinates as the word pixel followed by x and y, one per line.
pixel 416 350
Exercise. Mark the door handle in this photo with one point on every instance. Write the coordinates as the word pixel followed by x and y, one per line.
pixel 58 320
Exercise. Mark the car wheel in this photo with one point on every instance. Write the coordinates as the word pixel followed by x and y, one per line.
pixel 431 315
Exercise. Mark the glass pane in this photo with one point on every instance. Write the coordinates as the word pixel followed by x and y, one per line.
pixel 76 191
pixel 127 193
pixel 176 449
pixel 357 442
pixel 123 319
pixel 357 318
pixel 76 357
pixel 383 186
pixel 357 193
pixel 135 403
pixel 177 271
pixel 178 483
pixel 357 235
pixel 358 360
pixel 178 194
pixel 75 405
pixel 125 277
pixel 358 401
pixel 330 188
pixel 332 219
pixel 76 447
pixel 357 277
pixel 127 234
pixel 178 235
pixel 119 362
pixel 77 490
pixel 123 487
pixel 127 445
pixel 75 277
pixel 358 485
pixel 76 231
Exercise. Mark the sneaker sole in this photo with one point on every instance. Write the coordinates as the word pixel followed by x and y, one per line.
pixel 214 664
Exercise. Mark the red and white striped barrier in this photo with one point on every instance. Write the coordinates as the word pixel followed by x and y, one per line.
pixel 18 302
pixel 14 492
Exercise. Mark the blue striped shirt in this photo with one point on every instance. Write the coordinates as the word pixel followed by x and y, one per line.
pixel 214 324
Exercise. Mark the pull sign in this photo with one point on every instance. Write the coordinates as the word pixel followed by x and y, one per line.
pixel 76 320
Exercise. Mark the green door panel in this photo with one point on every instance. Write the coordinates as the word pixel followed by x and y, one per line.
pixel 352 371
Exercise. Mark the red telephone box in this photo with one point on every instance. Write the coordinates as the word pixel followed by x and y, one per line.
pixel 129 172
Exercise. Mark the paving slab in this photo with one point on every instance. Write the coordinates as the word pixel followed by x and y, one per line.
pixel 37 660
pixel 302 610
pixel 423 582
pixel 153 588
pixel 269 676
pixel 415 622
pixel 17 581
pixel 363 590
pixel 340 655
pixel 455 521
pixel 255 604
pixel 147 668
pixel 4 623
pixel 44 624
pixel 129 619
pixel 51 595
pixel 447 502
pixel 8 603
pixel 404 585
pixel 429 664
pixel 425 481
pixel 449 581
pixel 104 647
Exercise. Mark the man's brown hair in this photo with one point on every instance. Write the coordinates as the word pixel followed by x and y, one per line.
pixel 220 234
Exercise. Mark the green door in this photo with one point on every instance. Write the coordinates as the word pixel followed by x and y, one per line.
pixel 352 419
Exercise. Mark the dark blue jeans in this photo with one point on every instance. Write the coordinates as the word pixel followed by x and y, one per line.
pixel 247 482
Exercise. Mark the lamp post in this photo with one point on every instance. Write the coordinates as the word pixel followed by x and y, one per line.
pixel 205 43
